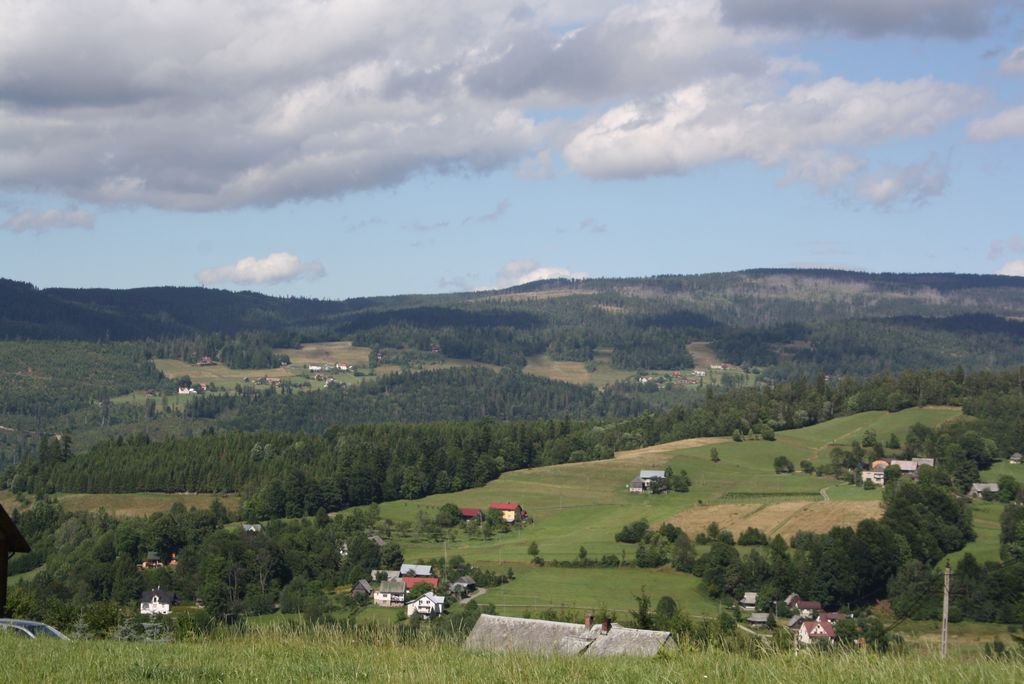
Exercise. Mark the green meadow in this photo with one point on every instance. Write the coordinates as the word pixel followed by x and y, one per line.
pixel 585 504
pixel 283 653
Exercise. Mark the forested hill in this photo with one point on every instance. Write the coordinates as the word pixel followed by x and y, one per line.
pixel 449 394
pixel 796 321
pixel 756 298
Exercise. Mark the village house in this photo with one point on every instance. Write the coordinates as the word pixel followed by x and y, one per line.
pixel 806 609
pixel 390 594
pixel 471 514
pixel 980 489
pixel 157 602
pixel 500 633
pixel 759 619
pixel 362 588
pixel 252 528
pixel 911 467
pixel 643 482
pixel 1016 458
pixel 427 606
pixel 462 587
pixel 411 570
pixel 510 512
pixel 152 560
pixel 749 600
pixel 875 477
pixel 815 631
pixel 411 582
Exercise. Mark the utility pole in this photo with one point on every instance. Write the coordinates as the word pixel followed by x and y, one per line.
pixel 945 609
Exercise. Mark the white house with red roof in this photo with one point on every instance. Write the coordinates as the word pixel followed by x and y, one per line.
pixel 816 631
pixel 510 512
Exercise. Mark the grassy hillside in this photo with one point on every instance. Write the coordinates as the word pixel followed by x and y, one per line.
pixel 585 504
pixel 280 654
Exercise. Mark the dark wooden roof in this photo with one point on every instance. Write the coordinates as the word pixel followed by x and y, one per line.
pixel 10 537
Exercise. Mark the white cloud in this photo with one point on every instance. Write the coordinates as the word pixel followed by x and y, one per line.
pixel 948 18
pixel 825 170
pixel 49 219
pixel 1014 64
pixel 520 272
pixel 202 106
pixel 275 268
pixel 1012 268
pixel 734 118
pixel 1008 123
pixel 914 184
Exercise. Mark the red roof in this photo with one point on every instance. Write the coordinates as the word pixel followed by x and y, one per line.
pixel 411 582
pixel 808 605
pixel 505 506
pixel 469 512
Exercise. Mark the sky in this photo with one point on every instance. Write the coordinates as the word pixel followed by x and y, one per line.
pixel 348 148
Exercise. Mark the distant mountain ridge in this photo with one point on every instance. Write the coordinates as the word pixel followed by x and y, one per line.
pixel 749 299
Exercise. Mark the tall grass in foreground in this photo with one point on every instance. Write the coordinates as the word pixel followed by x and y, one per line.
pixel 285 653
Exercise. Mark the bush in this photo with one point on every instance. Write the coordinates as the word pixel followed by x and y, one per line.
pixel 783 465
pixel 632 533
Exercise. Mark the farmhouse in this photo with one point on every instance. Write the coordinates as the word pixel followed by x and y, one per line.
pixel 410 570
pixel 813 631
pixel 875 477
pixel 411 582
pixel 980 489
pixel 464 586
pixel 510 512
pixel 362 588
pixel 806 609
pixel 152 560
pixel 427 606
pixel 390 594
pixel 471 514
pixel 749 600
pixel 157 602
pixel 911 467
pixel 1016 458
pixel 758 620
pixel 500 633
pixel 644 481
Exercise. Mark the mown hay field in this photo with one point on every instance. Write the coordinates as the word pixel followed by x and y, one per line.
pixel 137 504
pixel 785 518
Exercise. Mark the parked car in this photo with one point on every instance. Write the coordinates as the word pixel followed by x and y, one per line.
pixel 31 629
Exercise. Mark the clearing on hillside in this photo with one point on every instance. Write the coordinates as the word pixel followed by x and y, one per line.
pixel 785 518
pixel 328 352
pixel 670 447
pixel 139 504
pixel 703 355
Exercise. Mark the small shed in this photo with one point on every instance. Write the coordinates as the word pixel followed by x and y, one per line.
pixel 11 541
pixel 758 620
